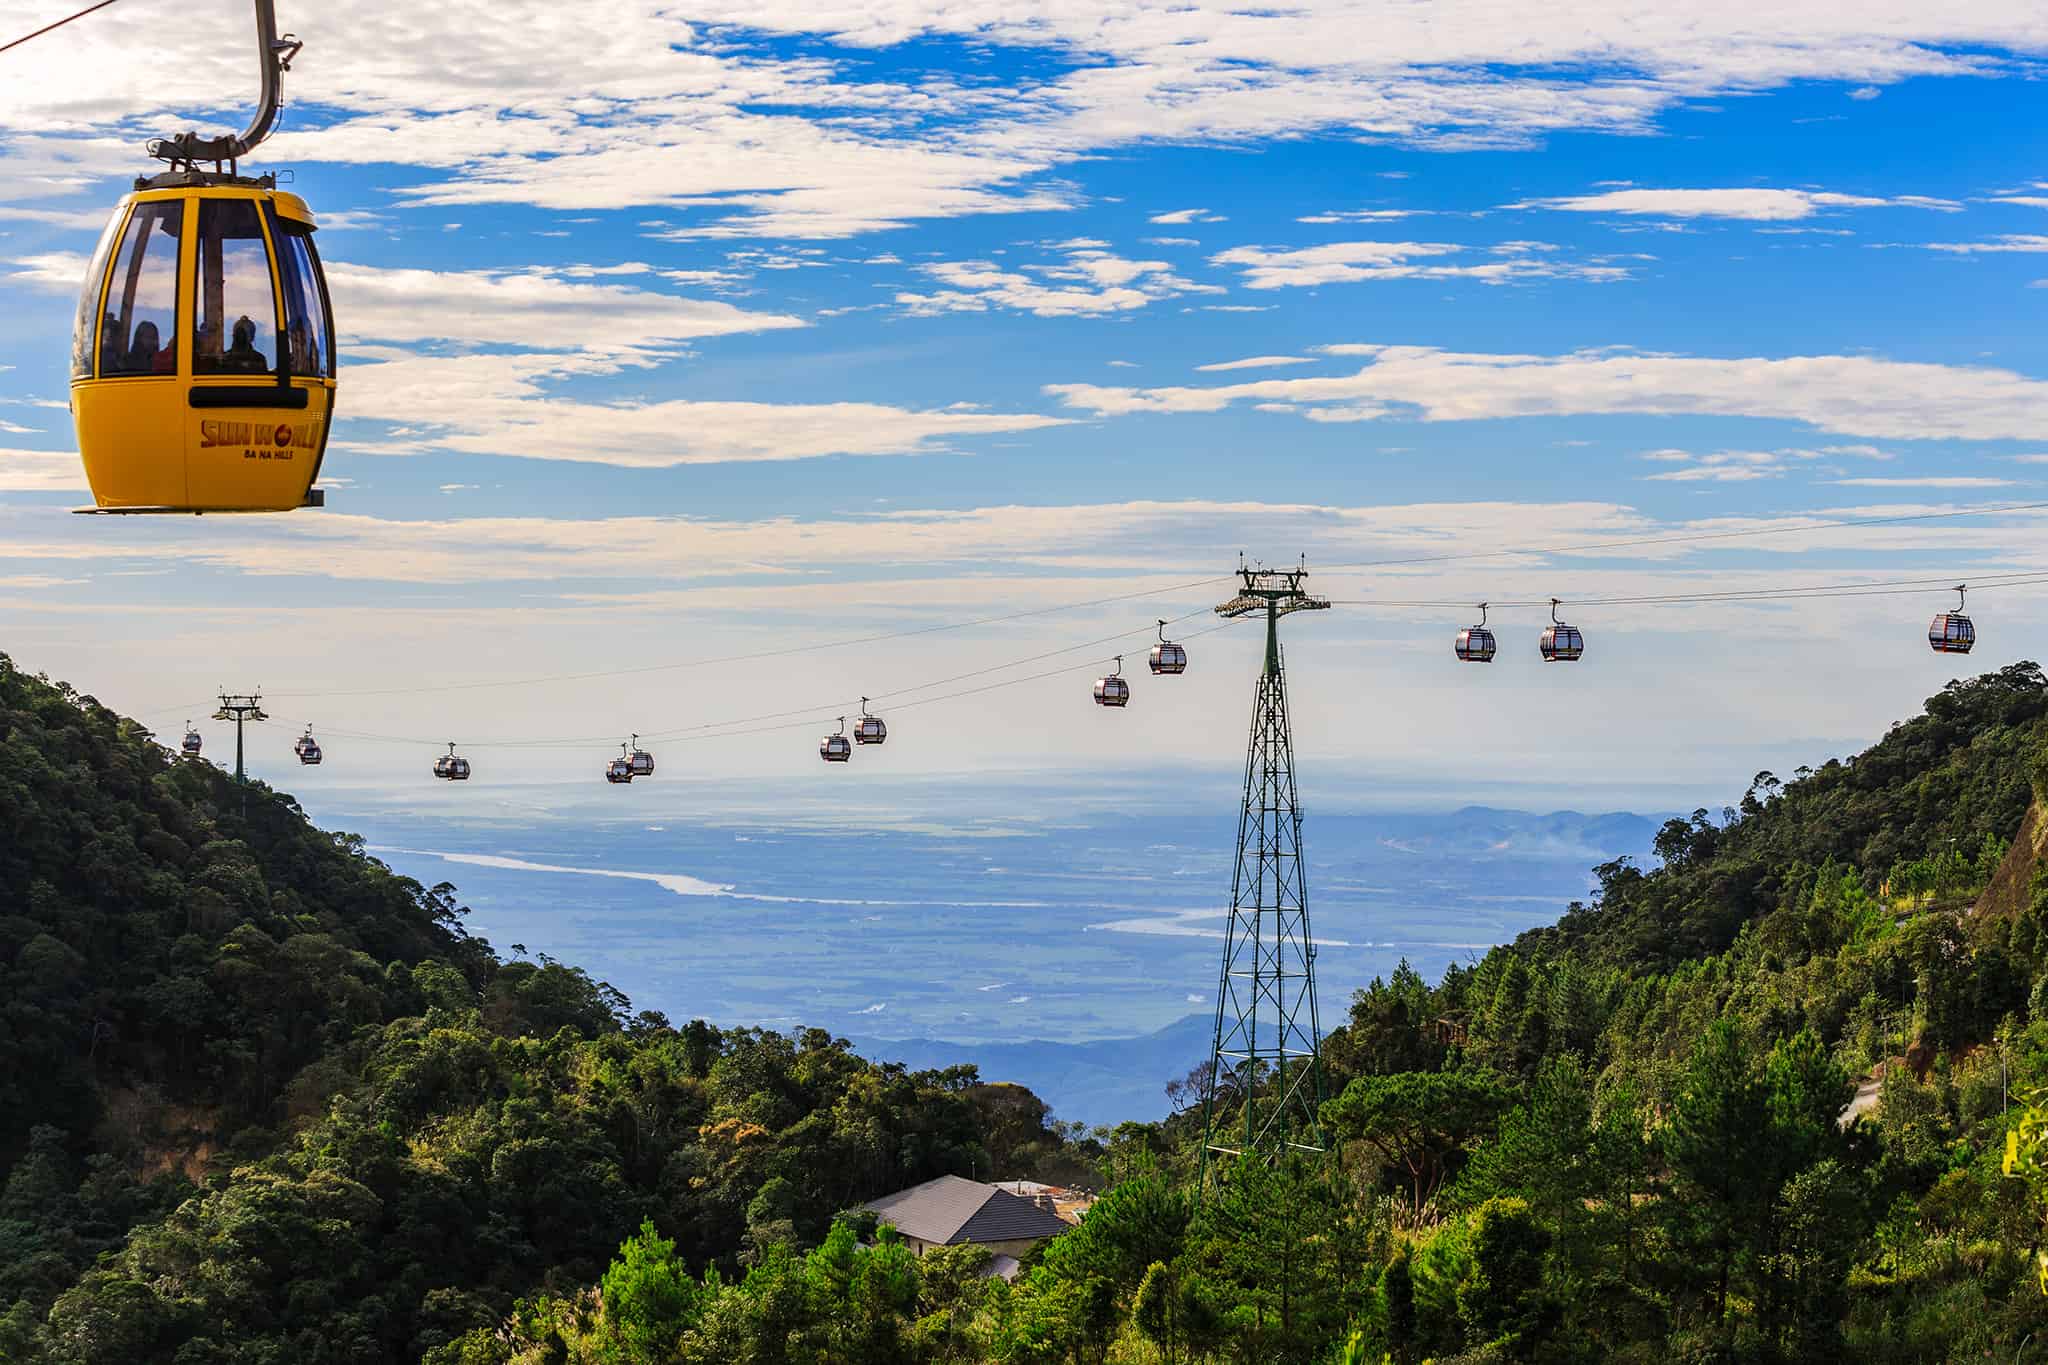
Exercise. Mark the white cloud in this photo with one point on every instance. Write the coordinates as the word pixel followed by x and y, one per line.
pixel 1936 481
pixel 1175 217
pixel 1865 92
pixel 1351 262
pixel 1722 466
pixel 535 309
pixel 41 471
pixel 500 405
pixel 1089 281
pixel 2011 241
pixel 1761 205
pixel 1854 395
pixel 1360 215
pixel 81 220
pixel 448 397
pixel 1256 362
pixel 689 109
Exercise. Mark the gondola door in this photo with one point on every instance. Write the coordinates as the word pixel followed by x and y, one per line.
pixel 127 396
pixel 262 359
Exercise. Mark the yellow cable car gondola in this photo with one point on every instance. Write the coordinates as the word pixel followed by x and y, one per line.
pixel 202 362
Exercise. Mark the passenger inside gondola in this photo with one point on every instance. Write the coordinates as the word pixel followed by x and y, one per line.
pixel 242 357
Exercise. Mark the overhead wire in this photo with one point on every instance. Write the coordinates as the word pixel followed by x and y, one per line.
pixel 811 715
pixel 803 717
pixel 756 655
pixel 51 28
pixel 881 637
pixel 1897 587
pixel 1689 538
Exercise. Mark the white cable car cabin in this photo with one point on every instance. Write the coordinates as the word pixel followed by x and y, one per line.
pixel 451 766
pixel 1561 642
pixel 1168 657
pixel 1475 644
pixel 836 748
pixel 192 743
pixel 307 748
pixel 869 729
pixel 1111 689
pixel 620 769
pixel 1951 632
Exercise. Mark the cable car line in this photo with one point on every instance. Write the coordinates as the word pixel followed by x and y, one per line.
pixel 824 710
pixel 1952 632
pixel 1896 587
pixel 813 716
pixel 51 28
pixel 781 652
pixel 1688 539
pixel 885 636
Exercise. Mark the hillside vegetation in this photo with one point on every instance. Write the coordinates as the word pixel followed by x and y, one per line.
pixel 270 1103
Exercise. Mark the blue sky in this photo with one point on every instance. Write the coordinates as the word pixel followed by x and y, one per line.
pixel 667 337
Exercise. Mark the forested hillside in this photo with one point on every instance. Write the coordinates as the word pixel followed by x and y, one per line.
pixel 269 1103
pixel 261 1099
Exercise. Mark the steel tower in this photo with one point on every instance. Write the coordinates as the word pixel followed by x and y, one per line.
pixel 240 707
pixel 1267 1051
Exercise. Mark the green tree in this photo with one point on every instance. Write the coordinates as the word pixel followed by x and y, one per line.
pixel 1501 1300
pixel 1719 1146
pixel 1419 1122
pixel 649 1298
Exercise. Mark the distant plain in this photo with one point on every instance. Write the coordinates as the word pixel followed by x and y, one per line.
pixel 1014 924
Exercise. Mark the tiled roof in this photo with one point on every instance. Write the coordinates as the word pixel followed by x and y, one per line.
pixel 951 1210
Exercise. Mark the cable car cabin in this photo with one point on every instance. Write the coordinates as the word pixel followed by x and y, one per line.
pixel 870 730
pixel 1167 657
pixel 451 766
pixel 619 770
pixel 835 748
pixel 1951 633
pixel 1475 645
pixel 307 748
pixel 1112 691
pixel 641 762
pixel 1561 644
pixel 192 744
pixel 202 362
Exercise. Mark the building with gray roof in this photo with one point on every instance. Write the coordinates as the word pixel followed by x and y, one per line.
pixel 952 1211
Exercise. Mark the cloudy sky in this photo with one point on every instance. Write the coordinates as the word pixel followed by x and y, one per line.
pixel 698 332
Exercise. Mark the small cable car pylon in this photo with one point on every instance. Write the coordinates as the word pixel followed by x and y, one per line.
pixel 241 708
pixel 1267 1048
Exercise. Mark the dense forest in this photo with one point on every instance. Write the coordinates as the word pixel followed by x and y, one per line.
pixel 263 1100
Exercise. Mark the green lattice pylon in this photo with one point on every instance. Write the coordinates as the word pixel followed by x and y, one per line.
pixel 1265 1085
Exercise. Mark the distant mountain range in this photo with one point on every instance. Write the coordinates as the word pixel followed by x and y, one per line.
pixel 1109 1080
